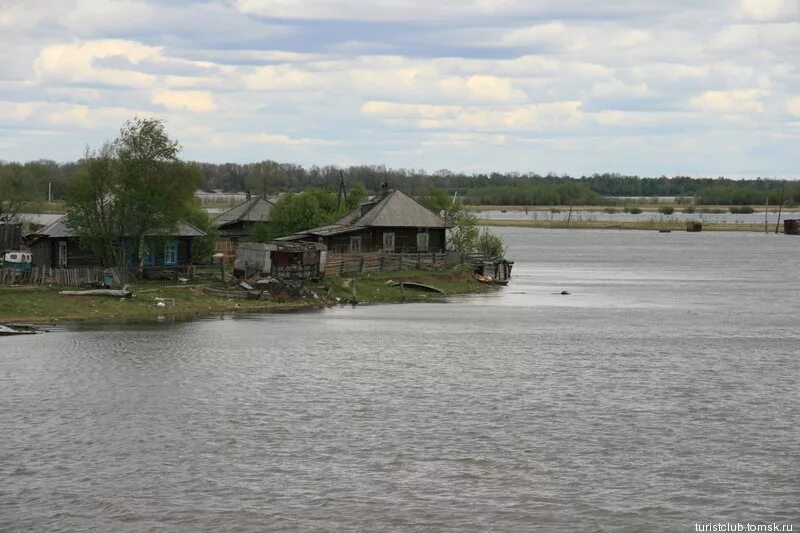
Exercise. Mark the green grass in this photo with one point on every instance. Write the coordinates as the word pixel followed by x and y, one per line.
pixel 36 304
pixel 376 287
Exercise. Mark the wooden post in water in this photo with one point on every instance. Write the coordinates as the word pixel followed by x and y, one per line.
pixel 766 214
pixel 402 291
pixel 569 216
pixel 353 286
pixel 780 208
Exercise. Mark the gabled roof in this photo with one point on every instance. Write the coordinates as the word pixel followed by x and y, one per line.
pixel 60 229
pixel 394 208
pixel 256 209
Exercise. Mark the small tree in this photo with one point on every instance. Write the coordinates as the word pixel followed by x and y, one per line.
pixel 465 232
pixel 491 245
pixel 357 194
pixel 16 190
pixel 298 212
pixel 262 232
pixel 203 247
pixel 134 188
pixel 93 211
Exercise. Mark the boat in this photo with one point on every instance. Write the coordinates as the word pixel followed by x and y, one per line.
pixel 484 278
pixel 16 330
pixel 497 273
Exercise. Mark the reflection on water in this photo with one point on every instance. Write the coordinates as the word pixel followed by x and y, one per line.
pixel 659 393
pixel 577 215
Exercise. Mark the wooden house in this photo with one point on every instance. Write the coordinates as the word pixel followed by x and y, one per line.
pixel 392 222
pixel 56 245
pixel 282 260
pixel 237 223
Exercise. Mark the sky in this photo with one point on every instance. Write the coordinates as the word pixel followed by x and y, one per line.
pixel 685 87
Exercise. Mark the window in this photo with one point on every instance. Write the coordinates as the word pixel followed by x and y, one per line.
pixel 422 242
pixel 171 253
pixel 148 260
pixel 355 244
pixel 388 241
pixel 62 253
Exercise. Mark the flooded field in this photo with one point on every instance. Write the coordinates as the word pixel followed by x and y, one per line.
pixel 660 393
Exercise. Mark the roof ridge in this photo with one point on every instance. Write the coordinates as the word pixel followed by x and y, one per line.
pixel 52 224
pixel 380 205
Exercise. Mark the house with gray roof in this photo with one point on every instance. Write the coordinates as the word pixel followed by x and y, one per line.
pixel 238 222
pixel 56 245
pixel 391 222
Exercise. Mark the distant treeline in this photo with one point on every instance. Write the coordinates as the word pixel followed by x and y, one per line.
pixel 495 188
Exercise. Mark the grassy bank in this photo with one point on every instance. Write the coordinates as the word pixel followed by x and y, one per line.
pixel 643 225
pixel 43 305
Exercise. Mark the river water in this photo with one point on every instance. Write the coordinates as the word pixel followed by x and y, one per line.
pixel 662 392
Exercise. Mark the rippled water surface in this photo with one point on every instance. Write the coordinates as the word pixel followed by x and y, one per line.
pixel 663 391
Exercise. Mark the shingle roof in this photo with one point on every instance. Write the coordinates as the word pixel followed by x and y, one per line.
pixel 60 229
pixel 394 209
pixel 256 209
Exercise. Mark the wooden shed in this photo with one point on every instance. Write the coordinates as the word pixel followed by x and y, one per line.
pixel 282 260
pixel 237 223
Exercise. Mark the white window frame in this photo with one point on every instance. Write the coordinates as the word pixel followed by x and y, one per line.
pixel 388 241
pixel 62 254
pixel 355 244
pixel 423 237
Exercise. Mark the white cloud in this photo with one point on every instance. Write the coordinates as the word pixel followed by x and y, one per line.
pixel 793 106
pixel 483 88
pixel 285 140
pixel 550 36
pixel 278 78
pixel 76 63
pixel 735 102
pixel 770 10
pixel 195 101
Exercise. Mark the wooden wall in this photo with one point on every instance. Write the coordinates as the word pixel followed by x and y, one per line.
pixel 405 240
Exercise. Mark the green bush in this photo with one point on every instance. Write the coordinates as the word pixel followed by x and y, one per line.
pixel 491 245
pixel 633 210
pixel 742 210
pixel 666 209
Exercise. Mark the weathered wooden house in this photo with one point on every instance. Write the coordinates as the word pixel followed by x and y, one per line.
pixel 391 222
pixel 56 245
pixel 237 223
pixel 282 260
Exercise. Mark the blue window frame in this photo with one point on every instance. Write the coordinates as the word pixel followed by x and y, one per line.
pixel 171 253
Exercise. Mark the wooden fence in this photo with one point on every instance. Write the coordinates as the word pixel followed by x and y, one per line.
pixel 343 264
pixel 72 277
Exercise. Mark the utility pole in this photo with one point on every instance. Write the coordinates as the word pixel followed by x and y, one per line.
pixel 342 191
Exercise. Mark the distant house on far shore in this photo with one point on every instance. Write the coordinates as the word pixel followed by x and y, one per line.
pixel 57 246
pixel 237 223
pixel 391 222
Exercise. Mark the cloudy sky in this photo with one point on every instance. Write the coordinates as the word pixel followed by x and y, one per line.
pixel 695 87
